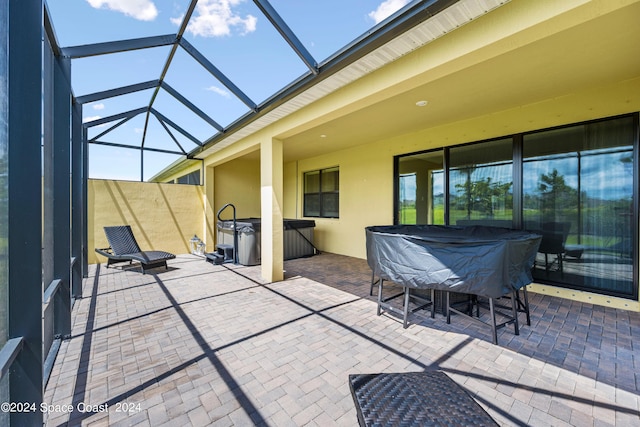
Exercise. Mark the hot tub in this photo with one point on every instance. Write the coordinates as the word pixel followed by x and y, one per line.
pixel 298 238
pixel 484 261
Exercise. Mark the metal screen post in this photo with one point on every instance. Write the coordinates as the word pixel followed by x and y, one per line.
pixel 7 354
pixel 77 201
pixel 56 309
pixel 85 198
pixel 62 193
pixel 24 191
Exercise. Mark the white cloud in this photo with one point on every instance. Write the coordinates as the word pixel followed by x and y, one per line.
pixel 90 118
pixel 215 18
pixel 143 10
pixel 99 106
pixel 178 20
pixel 219 91
pixel 386 9
pixel 138 130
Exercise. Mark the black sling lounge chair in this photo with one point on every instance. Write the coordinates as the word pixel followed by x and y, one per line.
pixel 123 247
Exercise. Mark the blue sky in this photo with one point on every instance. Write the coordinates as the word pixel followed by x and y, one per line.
pixel 233 34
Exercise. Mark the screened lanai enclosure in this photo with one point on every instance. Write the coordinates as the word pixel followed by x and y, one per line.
pixel 150 100
pixel 52 140
pixel 85 95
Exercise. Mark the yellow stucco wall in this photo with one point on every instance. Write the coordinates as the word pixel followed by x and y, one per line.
pixel 238 182
pixel 366 196
pixel 162 216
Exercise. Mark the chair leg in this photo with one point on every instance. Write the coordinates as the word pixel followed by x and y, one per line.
pixel 373 282
pixel 514 312
pixel 494 327
pixel 433 303
pixel 380 296
pixel 560 266
pixel 526 304
pixel 405 307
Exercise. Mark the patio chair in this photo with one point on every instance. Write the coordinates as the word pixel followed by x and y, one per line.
pixel 554 238
pixel 418 399
pixel 123 247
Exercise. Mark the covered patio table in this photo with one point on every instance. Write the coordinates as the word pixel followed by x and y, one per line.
pixel 489 262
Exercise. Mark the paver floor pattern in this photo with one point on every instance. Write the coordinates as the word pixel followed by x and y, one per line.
pixel 201 345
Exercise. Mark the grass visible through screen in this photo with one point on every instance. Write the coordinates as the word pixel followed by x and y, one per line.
pixel 407 215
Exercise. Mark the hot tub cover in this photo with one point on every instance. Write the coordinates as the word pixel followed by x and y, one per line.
pixel 486 261
pixel 243 225
pixel 253 225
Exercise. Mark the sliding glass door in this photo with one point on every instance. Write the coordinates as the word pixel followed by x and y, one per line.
pixel 574 185
pixel 578 193
pixel 481 184
pixel 420 189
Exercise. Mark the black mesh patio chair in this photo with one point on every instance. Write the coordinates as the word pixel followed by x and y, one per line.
pixel 554 237
pixel 123 247
pixel 419 399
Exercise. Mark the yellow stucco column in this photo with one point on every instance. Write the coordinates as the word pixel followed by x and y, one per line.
pixel 209 231
pixel 271 210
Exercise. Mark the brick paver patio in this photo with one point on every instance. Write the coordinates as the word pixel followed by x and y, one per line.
pixel 202 345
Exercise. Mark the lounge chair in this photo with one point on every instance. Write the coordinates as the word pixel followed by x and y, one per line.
pixel 123 247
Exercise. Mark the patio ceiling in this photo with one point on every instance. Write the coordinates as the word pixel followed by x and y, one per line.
pixel 170 60
pixel 559 61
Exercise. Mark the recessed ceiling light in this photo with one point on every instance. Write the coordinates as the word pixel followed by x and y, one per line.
pixel 323 136
pixel 422 103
